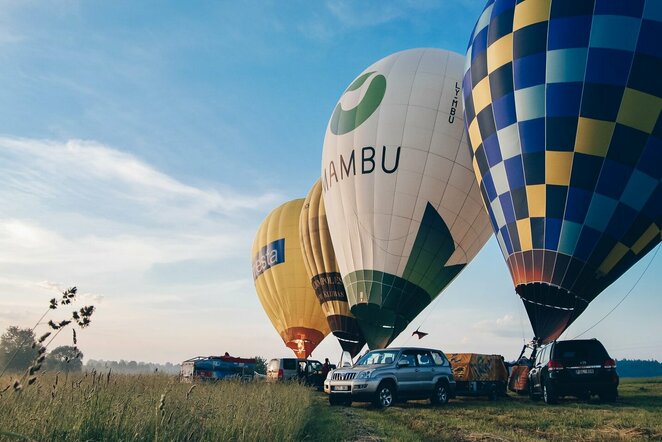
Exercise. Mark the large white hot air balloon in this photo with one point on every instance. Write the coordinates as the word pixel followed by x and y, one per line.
pixel 403 206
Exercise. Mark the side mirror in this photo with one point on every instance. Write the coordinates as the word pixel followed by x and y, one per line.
pixel 403 363
pixel 346 360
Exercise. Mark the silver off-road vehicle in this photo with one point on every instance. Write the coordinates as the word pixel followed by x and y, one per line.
pixel 385 376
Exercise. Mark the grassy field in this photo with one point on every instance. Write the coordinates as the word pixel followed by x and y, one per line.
pixel 636 415
pixel 151 408
pixel 158 407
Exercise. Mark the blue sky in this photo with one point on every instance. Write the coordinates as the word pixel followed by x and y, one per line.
pixel 142 143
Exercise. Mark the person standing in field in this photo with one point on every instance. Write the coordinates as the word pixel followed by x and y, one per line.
pixel 325 367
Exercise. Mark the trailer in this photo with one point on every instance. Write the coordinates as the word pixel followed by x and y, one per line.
pixel 479 375
pixel 213 368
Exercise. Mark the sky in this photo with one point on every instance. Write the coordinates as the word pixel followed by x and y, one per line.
pixel 142 144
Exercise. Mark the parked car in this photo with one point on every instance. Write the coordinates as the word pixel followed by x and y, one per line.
pixel 578 368
pixel 384 376
pixel 304 370
pixel 479 375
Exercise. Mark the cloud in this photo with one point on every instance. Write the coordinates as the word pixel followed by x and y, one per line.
pixel 341 15
pixel 85 209
pixel 50 286
pixel 146 247
pixel 89 170
pixel 374 13
pixel 8 37
pixel 505 327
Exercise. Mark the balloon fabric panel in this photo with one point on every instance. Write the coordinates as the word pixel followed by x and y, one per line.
pixel 562 106
pixel 282 283
pixel 403 207
pixel 322 269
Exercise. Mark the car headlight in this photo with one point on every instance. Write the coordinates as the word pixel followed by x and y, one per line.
pixel 364 374
pixel 329 374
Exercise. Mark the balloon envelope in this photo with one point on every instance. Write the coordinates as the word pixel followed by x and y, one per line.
pixel 282 283
pixel 402 203
pixel 322 268
pixel 562 106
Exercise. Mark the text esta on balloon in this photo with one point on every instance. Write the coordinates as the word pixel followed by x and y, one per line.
pixel 270 255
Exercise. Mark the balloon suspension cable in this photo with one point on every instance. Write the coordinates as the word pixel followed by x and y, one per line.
pixel 624 297
pixel 518 308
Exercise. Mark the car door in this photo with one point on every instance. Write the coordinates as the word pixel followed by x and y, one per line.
pixel 314 373
pixel 536 371
pixel 407 375
pixel 426 370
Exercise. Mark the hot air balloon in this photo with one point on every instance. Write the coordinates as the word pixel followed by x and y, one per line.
pixel 562 106
pixel 402 203
pixel 320 261
pixel 282 283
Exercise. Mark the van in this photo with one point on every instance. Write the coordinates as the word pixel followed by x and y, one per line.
pixel 283 369
pixel 305 370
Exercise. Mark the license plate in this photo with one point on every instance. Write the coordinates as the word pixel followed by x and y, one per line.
pixel 585 371
pixel 341 388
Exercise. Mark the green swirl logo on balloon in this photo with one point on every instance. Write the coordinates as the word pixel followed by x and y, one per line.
pixel 345 121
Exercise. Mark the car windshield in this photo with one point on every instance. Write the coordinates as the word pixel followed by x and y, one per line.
pixel 378 357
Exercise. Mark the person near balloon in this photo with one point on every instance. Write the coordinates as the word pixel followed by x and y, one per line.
pixel 325 368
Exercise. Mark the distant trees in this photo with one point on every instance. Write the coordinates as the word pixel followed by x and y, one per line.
pixel 65 358
pixel 260 365
pixel 637 368
pixel 21 351
pixel 132 367
pixel 17 348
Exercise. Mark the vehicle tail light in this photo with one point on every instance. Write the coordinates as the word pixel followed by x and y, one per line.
pixel 609 363
pixel 554 365
pixel 280 373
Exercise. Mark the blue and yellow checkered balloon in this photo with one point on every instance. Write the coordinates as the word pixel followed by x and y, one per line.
pixel 562 104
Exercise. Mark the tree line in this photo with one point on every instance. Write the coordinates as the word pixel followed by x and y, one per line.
pixel 638 368
pixel 18 350
pixel 132 367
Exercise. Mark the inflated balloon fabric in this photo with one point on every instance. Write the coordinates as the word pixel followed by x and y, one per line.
pixel 562 106
pixel 320 260
pixel 402 203
pixel 282 284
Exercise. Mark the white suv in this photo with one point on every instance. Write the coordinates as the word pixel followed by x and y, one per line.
pixel 382 376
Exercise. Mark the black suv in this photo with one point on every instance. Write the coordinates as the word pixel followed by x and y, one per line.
pixel 573 368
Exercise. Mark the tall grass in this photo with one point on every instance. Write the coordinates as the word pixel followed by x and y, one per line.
pixel 150 408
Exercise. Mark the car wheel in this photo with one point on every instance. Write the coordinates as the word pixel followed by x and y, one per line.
pixel 609 395
pixel 440 394
pixel 334 400
pixel 384 396
pixel 548 394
